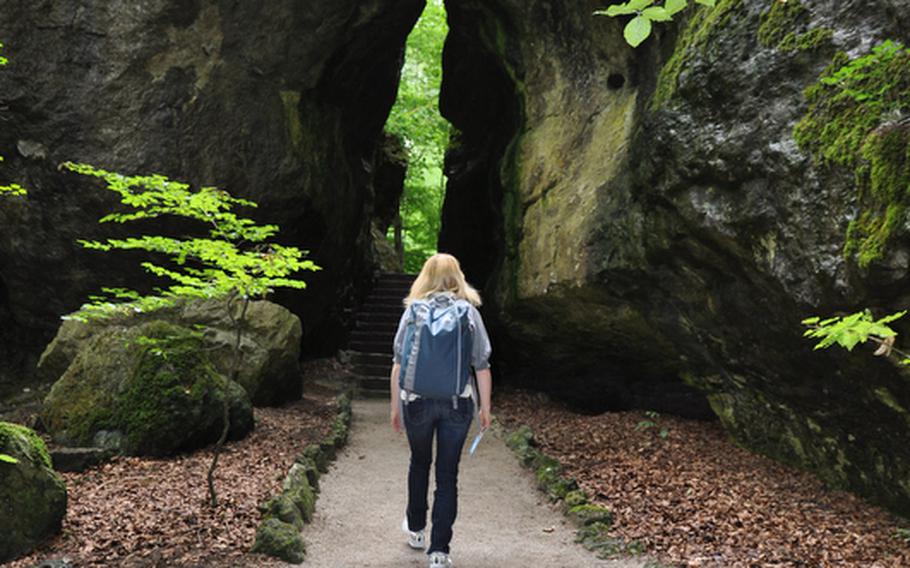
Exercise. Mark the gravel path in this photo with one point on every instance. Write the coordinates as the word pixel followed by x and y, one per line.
pixel 503 521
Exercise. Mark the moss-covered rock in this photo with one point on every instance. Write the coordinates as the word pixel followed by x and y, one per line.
pixel 33 497
pixel 153 383
pixel 269 370
pixel 312 471
pixel 853 121
pixel 647 216
pixel 297 487
pixel 283 508
pixel 281 540
pixel 589 514
pixel 575 498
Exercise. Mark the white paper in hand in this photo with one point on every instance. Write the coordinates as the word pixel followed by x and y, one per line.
pixel 476 441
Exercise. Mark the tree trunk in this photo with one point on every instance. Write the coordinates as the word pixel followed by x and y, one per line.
pixel 226 408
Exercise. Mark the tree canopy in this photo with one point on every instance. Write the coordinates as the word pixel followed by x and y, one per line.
pixel 424 132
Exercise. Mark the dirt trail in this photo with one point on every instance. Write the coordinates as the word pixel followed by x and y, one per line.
pixel 503 521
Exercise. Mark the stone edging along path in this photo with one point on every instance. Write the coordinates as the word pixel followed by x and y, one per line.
pixel 593 521
pixel 284 515
pixel 503 521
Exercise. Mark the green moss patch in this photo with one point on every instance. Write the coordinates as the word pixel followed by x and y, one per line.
pixel 32 495
pixel 856 119
pixel 296 504
pixel 154 383
pixel 697 35
pixel 23 443
pixel 280 540
pixel 780 20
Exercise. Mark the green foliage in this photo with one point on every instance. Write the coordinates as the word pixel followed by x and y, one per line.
pixel 857 118
pixel 12 189
pixel 653 423
pixel 234 259
pixel 902 535
pixel 645 12
pixel 415 119
pixel 784 25
pixel 24 440
pixel 850 331
pixel 780 19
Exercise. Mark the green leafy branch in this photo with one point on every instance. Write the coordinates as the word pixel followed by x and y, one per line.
pixel 5 458
pixel 234 258
pixel 233 262
pixel 12 189
pixel 653 422
pixel 856 329
pixel 645 12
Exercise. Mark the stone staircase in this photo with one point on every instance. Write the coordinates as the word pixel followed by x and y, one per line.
pixel 370 347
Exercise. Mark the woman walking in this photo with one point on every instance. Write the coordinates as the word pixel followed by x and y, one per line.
pixel 440 337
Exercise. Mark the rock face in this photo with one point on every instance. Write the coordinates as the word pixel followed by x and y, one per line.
pixel 282 103
pixel 657 227
pixel 149 389
pixel 33 496
pixel 269 370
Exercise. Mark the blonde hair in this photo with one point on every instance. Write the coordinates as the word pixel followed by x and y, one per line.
pixel 442 273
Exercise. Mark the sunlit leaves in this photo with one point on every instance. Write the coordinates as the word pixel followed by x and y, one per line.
pixel 415 119
pixel 850 331
pixel 8 459
pixel 644 12
pixel 233 258
pixel 637 30
pixel 12 189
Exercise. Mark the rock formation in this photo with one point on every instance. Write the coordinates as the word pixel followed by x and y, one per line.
pixel 148 389
pixel 33 495
pixel 658 228
pixel 269 369
pixel 282 103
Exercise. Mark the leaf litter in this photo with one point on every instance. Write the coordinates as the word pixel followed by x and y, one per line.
pixel 150 513
pixel 696 499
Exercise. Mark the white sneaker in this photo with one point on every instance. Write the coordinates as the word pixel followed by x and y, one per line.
pixel 416 540
pixel 440 560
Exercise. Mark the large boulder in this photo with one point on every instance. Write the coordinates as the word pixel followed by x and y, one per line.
pixel 149 389
pixel 269 369
pixel 32 495
pixel 282 102
pixel 649 230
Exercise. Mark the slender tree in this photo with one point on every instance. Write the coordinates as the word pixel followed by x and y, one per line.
pixel 235 262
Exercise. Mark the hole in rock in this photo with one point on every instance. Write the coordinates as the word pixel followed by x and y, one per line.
pixel 616 81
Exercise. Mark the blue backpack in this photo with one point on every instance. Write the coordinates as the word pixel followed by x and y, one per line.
pixel 436 356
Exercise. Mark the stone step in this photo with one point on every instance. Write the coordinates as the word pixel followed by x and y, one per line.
pixel 387 312
pixel 381 317
pixel 367 358
pixel 371 393
pixel 374 370
pixel 396 277
pixel 371 387
pixel 371 346
pixel 380 326
pixel 78 459
pixel 386 298
pixel 375 336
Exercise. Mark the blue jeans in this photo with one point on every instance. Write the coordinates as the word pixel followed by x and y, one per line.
pixel 423 418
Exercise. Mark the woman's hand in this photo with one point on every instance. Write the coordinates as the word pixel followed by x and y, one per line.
pixel 395 418
pixel 485 418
